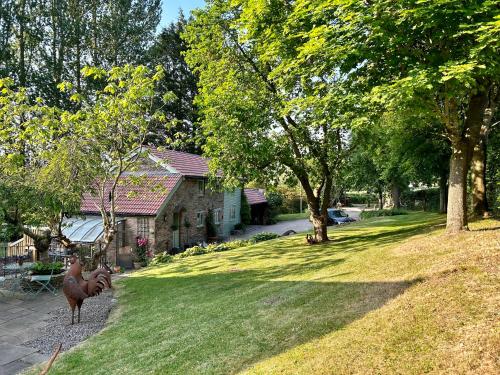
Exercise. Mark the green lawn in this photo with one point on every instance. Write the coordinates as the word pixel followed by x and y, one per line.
pixel 288 217
pixel 387 295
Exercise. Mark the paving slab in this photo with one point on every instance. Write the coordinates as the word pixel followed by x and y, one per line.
pixel 10 353
pixel 20 321
pixel 14 367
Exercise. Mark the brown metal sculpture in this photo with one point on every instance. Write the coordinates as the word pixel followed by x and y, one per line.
pixel 76 288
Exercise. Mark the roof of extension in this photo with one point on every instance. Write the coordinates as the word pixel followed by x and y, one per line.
pixel 255 196
pixel 189 165
pixel 142 198
pixel 83 230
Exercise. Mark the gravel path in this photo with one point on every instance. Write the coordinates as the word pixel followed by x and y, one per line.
pixel 95 312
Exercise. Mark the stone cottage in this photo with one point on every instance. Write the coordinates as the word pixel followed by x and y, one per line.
pixel 166 200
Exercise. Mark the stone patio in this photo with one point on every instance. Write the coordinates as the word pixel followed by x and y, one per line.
pixel 21 317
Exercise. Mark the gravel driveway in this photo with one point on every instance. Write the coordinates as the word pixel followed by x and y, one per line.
pixel 302 225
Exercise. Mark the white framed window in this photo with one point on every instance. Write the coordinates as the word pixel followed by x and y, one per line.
pixel 217 216
pixel 143 227
pixel 201 187
pixel 200 219
pixel 232 212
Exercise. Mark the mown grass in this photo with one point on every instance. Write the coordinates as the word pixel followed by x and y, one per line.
pixel 387 295
pixel 296 216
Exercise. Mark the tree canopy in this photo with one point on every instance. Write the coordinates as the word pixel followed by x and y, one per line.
pixel 264 115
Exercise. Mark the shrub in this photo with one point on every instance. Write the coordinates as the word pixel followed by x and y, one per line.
pixel 361 198
pixel 271 220
pixel 212 248
pixel 237 243
pixel 192 251
pixel 245 211
pixel 378 213
pixel 39 268
pixel 264 236
pixel 423 199
pixel 161 258
pixel 239 226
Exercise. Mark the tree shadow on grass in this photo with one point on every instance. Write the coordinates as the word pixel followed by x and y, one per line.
pixel 301 258
pixel 224 322
pixel 348 242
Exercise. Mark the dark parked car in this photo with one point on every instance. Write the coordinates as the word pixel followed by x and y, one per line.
pixel 336 217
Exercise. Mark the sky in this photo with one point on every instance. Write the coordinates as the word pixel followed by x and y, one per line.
pixel 170 9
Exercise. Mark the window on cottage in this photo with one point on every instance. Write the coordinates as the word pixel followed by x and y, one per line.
pixel 201 187
pixel 142 227
pixel 232 212
pixel 217 216
pixel 200 219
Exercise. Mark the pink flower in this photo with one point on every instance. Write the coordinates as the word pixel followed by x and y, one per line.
pixel 142 242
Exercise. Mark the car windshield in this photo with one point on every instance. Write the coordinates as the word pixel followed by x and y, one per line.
pixel 337 213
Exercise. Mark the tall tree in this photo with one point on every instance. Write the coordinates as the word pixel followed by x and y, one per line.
pixel 38 183
pixel 111 127
pixel 45 42
pixel 478 164
pixel 439 56
pixel 168 51
pixel 264 115
pixel 126 30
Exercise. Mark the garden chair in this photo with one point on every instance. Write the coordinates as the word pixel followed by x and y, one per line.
pixel 44 283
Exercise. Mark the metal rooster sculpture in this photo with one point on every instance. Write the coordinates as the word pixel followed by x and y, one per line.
pixel 76 288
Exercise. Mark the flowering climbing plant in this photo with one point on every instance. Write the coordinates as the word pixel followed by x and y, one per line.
pixel 142 242
pixel 141 249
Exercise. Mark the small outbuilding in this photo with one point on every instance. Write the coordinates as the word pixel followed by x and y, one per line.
pixel 259 206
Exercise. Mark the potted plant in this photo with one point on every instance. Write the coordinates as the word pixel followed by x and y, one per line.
pixel 140 251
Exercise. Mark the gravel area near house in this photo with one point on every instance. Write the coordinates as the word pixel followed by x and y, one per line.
pixel 94 313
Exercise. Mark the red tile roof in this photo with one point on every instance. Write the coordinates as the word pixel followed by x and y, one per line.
pixel 255 196
pixel 140 198
pixel 183 163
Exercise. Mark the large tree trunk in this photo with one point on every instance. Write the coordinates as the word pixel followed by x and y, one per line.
pixel 396 195
pixel 457 206
pixel 318 219
pixel 320 226
pixel 479 202
pixel 463 143
pixel 443 193
pixel 318 201
pixel 380 199
pixel 41 241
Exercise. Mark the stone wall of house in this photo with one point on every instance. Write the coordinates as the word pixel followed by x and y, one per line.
pixel 187 200
pixel 126 237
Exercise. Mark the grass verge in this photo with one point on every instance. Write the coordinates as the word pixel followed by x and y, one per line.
pixel 387 295
pixel 288 217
